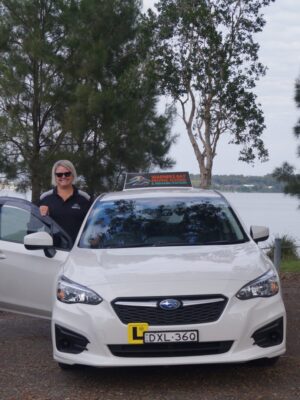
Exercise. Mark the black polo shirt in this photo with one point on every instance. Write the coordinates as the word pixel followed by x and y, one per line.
pixel 68 214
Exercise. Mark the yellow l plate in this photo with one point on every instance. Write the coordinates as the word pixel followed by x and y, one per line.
pixel 136 332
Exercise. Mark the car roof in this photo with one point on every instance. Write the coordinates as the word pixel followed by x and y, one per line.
pixel 161 192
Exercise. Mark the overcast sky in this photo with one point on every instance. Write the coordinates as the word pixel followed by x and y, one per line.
pixel 280 52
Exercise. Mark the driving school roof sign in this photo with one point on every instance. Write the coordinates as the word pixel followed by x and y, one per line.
pixel 158 179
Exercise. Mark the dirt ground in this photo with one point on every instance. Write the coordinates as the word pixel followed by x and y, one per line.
pixel 28 372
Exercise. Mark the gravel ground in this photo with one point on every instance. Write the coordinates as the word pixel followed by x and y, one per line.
pixel 28 372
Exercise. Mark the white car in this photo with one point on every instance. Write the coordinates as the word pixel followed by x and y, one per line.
pixel 157 276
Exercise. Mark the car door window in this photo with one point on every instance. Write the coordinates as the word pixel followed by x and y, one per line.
pixel 18 220
pixel 14 223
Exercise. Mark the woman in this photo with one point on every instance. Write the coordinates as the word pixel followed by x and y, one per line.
pixel 65 203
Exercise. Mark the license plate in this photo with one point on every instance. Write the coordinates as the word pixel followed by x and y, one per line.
pixel 170 336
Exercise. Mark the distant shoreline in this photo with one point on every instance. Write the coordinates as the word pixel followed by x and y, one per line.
pixel 223 183
pixel 241 183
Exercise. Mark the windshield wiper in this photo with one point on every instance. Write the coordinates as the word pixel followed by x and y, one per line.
pixel 221 242
pixel 166 244
pixel 124 245
pixel 142 244
pixel 161 244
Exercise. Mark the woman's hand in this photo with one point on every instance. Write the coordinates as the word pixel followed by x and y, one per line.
pixel 44 210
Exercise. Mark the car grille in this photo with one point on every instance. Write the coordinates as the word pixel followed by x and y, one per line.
pixel 170 349
pixel 192 310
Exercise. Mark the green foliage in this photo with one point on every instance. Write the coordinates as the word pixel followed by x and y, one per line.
pixel 297 99
pixel 113 115
pixel 205 57
pixel 74 83
pixel 287 173
pixel 33 89
pixel 289 248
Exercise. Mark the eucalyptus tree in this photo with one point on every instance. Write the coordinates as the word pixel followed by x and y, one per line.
pixel 206 58
pixel 33 89
pixel 287 173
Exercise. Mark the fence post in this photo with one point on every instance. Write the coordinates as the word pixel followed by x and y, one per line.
pixel 277 253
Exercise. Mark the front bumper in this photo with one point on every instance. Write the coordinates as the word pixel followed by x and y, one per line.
pixel 105 334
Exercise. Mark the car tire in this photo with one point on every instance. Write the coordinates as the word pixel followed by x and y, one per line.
pixel 66 367
pixel 265 362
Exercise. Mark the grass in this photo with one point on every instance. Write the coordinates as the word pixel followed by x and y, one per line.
pixel 290 260
pixel 290 265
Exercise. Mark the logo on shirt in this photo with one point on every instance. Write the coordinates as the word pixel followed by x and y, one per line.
pixel 76 206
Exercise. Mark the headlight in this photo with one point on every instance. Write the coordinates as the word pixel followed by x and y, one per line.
pixel 266 285
pixel 71 292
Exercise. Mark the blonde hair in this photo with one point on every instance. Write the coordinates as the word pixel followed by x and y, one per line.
pixel 63 163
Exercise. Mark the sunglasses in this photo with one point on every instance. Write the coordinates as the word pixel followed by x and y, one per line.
pixel 61 174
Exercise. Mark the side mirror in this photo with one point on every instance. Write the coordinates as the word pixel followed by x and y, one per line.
pixel 40 241
pixel 259 233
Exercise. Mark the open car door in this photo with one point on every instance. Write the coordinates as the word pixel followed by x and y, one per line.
pixel 28 277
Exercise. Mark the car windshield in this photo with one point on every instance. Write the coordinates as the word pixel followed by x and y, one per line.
pixel 161 222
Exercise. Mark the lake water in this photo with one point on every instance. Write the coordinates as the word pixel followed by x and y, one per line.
pixel 281 213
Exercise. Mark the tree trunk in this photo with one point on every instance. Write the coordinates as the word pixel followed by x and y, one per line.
pixel 205 177
pixel 206 156
pixel 36 186
pixel 205 163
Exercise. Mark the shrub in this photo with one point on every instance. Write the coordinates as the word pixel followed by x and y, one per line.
pixel 289 250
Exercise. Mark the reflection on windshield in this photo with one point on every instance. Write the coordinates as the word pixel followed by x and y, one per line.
pixel 161 222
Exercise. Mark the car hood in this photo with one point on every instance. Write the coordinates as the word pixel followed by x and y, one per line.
pixel 167 270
